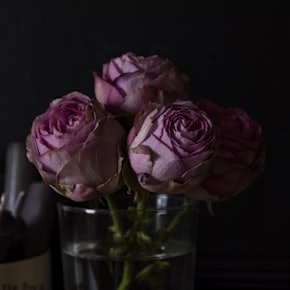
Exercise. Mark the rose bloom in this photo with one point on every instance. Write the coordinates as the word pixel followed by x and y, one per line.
pixel 242 151
pixel 171 148
pixel 76 148
pixel 130 81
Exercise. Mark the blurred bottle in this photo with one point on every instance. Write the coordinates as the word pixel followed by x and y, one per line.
pixel 19 173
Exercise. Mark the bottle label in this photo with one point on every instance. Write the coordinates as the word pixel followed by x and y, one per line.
pixel 29 274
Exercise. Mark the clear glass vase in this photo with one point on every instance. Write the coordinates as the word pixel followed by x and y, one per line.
pixel 128 248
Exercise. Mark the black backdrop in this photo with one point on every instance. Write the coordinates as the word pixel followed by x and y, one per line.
pixel 236 54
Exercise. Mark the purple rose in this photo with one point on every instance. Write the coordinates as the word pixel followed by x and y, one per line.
pixel 171 148
pixel 130 81
pixel 76 148
pixel 242 152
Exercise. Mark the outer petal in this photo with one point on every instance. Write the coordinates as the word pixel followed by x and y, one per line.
pixel 76 192
pixel 190 188
pixel 119 66
pixel 131 82
pixel 137 99
pixel 141 159
pixel 106 93
pixel 173 81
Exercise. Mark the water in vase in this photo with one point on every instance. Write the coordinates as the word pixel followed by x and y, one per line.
pixel 86 268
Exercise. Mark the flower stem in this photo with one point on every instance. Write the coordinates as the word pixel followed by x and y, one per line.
pixel 141 206
pixel 175 221
pixel 112 208
pixel 127 275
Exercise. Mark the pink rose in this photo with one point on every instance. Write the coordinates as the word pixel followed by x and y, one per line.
pixel 130 81
pixel 171 148
pixel 242 152
pixel 76 148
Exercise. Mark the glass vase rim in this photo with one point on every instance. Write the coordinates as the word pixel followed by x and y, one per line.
pixel 68 205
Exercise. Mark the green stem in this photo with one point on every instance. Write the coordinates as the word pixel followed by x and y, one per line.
pixel 148 271
pixel 175 221
pixel 127 275
pixel 112 207
pixel 141 206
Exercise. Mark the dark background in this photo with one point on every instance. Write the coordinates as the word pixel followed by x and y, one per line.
pixel 236 54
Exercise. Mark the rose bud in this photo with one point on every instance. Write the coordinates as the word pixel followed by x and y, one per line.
pixel 130 81
pixel 171 148
pixel 242 151
pixel 76 148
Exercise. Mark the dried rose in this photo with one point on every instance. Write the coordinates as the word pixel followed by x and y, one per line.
pixel 242 151
pixel 171 148
pixel 130 81
pixel 76 148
